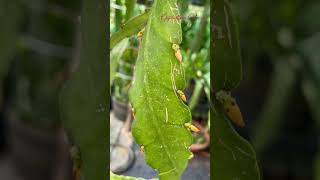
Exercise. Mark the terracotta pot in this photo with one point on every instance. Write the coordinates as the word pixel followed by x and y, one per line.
pixel 33 152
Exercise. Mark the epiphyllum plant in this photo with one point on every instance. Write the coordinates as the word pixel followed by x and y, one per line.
pixel 162 119
pixel 162 125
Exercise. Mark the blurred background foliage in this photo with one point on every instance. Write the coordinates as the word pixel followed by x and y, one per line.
pixel 37 46
pixel 41 64
pixel 41 50
pixel 280 93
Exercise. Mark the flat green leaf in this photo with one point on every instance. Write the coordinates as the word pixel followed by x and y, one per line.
pixel 115 56
pixel 227 68
pixel 232 156
pixel 84 99
pixel 119 177
pixel 160 114
pixel 131 27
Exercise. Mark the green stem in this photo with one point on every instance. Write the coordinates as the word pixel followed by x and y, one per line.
pixel 196 94
pixel 118 16
pixel 133 26
pixel 197 41
pixel 130 4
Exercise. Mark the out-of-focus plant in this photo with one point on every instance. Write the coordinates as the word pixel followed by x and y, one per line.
pixel 8 36
pixel 115 56
pixel 311 83
pixel 196 42
pixel 40 68
pixel 84 99
pixel 123 56
pixel 39 79
pixel 37 76
pixel 123 76
pixel 288 35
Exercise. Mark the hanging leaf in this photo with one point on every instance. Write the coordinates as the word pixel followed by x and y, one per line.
pixel 227 68
pixel 84 99
pixel 160 114
pixel 232 156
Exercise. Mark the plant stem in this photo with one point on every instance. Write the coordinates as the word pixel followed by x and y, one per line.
pixel 133 26
pixel 130 4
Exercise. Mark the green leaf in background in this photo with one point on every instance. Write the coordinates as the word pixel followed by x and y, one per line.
pixel 311 83
pixel 196 94
pixel 227 68
pixel 160 114
pixel 118 15
pixel 115 56
pixel 198 39
pixel 9 18
pixel 84 99
pixel 131 27
pixel 232 156
pixel 271 117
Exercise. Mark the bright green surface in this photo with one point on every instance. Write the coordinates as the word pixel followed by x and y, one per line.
pixel 160 114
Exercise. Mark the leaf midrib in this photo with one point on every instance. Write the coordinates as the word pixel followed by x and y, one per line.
pixel 145 57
